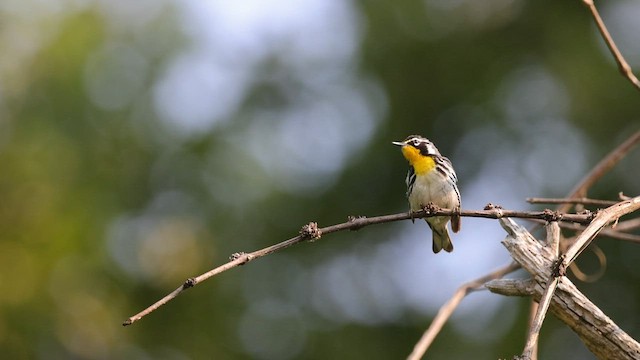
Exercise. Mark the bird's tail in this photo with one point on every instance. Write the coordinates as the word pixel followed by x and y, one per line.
pixel 441 238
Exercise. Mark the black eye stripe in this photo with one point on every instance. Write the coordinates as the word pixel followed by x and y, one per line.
pixel 425 146
pixel 424 149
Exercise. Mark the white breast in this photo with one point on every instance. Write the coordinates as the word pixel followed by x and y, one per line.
pixel 431 188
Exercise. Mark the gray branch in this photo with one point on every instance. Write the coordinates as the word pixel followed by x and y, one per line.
pixel 596 330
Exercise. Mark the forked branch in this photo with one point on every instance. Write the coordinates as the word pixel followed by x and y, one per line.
pixel 599 333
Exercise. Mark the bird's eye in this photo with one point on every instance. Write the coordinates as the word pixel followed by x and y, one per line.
pixel 416 143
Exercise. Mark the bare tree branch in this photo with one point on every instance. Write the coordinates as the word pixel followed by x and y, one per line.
pixel 312 232
pixel 553 242
pixel 616 233
pixel 623 66
pixel 628 224
pixel 584 201
pixel 450 306
pixel 602 219
pixel 599 333
pixel 606 164
pixel 580 190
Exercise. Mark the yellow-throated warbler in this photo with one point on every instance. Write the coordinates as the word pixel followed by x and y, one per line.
pixel 431 179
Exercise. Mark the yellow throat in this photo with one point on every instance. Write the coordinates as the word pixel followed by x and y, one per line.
pixel 421 164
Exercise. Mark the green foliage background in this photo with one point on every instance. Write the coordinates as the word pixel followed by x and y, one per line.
pixel 105 207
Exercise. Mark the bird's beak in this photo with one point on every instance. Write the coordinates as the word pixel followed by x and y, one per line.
pixel 399 143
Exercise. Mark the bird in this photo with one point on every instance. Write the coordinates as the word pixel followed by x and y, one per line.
pixel 431 179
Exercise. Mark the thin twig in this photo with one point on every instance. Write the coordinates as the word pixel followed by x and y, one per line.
pixel 627 225
pixel 533 310
pixel 532 338
pixel 311 232
pixel 606 164
pixel 584 201
pixel 617 234
pixel 603 218
pixel 622 196
pixel 553 241
pixel 449 307
pixel 623 66
pixel 602 266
